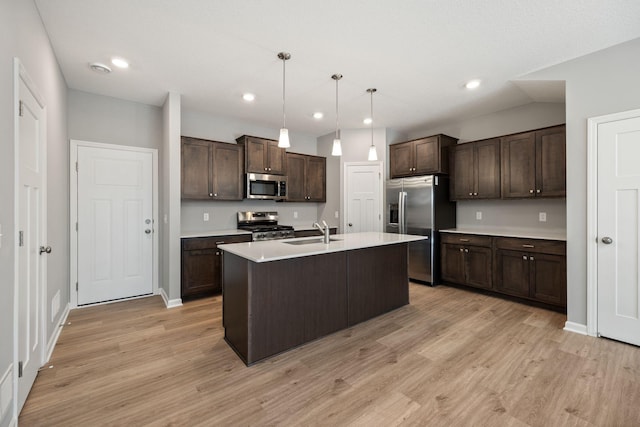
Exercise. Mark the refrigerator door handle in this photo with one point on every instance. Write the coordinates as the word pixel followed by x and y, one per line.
pixel 402 219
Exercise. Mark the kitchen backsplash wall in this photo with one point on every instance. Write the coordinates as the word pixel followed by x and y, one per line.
pixel 523 214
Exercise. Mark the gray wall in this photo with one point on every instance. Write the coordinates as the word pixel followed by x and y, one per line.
pixel 222 215
pixel 602 83
pixel 22 35
pixel 507 213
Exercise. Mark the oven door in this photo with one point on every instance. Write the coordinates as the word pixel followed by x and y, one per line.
pixel 262 186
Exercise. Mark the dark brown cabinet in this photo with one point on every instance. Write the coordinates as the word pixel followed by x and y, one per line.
pixel 534 164
pixel 467 260
pixel 263 155
pixel 475 167
pixel 211 170
pixel 422 156
pixel 307 178
pixel 201 264
pixel 533 269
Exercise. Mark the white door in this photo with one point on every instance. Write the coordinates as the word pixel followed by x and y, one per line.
pixel 31 236
pixel 115 224
pixel 363 197
pixel 618 230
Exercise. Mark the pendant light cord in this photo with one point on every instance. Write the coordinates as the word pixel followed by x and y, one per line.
pixel 372 117
pixel 337 115
pixel 284 117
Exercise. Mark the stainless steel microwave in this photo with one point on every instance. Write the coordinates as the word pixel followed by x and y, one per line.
pixel 266 187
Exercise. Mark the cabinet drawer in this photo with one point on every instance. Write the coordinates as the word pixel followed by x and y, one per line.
pixel 197 243
pixel 466 239
pixel 555 247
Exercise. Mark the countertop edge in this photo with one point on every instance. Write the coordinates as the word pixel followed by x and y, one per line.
pixel 522 234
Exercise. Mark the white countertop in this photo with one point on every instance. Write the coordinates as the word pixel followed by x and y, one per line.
pixel 511 232
pixel 273 250
pixel 213 233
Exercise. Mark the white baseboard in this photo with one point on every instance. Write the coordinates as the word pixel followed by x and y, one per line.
pixel 54 338
pixel 577 328
pixel 170 303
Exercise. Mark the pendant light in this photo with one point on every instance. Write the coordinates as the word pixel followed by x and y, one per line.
pixel 373 154
pixel 283 141
pixel 337 147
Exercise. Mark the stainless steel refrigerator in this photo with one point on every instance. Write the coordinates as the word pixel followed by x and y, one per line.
pixel 420 206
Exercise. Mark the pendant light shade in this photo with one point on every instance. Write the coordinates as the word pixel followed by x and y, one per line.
pixel 283 141
pixel 373 154
pixel 337 145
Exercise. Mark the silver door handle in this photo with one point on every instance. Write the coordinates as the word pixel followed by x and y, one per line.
pixel 148 231
pixel 350 225
pixel 45 250
pixel 607 240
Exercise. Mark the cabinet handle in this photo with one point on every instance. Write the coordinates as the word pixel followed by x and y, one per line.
pixel 538 190
pixel 265 169
pixel 466 250
pixel 475 194
pixel 217 253
pixel 524 257
pixel 220 243
pixel 531 258
pixel 530 191
pixel 461 249
pixel 215 194
pixel 471 194
pixel 528 246
pixel 464 240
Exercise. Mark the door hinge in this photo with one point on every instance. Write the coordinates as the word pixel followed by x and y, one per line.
pixel 76 286
pixel 20 238
pixel 20 108
pixel 20 369
pixel 76 226
pixel 76 166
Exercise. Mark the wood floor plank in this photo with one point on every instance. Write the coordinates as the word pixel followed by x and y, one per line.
pixel 452 357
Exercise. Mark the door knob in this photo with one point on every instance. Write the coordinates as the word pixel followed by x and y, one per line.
pixel 45 250
pixel 350 225
pixel 607 240
pixel 148 231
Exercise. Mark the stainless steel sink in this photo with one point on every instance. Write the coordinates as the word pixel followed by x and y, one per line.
pixel 308 241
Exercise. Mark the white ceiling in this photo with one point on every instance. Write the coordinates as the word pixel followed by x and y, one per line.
pixel 417 53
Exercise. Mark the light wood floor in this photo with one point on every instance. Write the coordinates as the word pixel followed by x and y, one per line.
pixel 450 358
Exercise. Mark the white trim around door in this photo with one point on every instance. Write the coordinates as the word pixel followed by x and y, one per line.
pixel 73 212
pixel 592 213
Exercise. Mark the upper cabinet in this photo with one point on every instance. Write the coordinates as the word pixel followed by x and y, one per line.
pixel 211 170
pixel 476 170
pixel 263 155
pixel 422 156
pixel 534 164
pixel 307 178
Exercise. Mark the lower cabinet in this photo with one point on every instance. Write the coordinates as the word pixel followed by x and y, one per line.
pixel 202 265
pixel 532 269
pixel 467 259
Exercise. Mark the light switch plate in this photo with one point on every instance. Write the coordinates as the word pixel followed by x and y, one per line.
pixel 206 216
pixel 542 217
pixel 337 214
pixel 479 215
pixel 295 214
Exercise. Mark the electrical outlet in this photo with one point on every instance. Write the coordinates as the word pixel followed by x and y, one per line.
pixel 295 215
pixel 206 216
pixel 337 214
pixel 542 217
pixel 479 215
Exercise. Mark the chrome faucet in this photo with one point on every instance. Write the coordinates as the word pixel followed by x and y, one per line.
pixel 324 230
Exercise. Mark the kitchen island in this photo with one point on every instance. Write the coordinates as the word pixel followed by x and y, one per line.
pixel 280 294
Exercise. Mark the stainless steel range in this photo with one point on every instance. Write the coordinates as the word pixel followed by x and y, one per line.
pixel 264 226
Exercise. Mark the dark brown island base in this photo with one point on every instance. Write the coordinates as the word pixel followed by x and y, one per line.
pixel 280 294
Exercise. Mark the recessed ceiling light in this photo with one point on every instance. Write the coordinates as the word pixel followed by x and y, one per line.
pixel 472 84
pixel 318 115
pixel 99 68
pixel 120 63
pixel 367 121
pixel 248 97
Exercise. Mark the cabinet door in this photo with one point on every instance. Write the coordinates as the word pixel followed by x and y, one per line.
pixel 478 266
pixel 316 178
pixel 256 155
pixel 227 168
pixel 487 169
pixel 427 156
pixel 295 185
pixel 401 159
pixel 512 272
pixel 518 165
pixel 277 159
pixel 196 167
pixel 551 162
pixel 463 172
pixel 453 265
pixel 200 272
pixel 549 278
